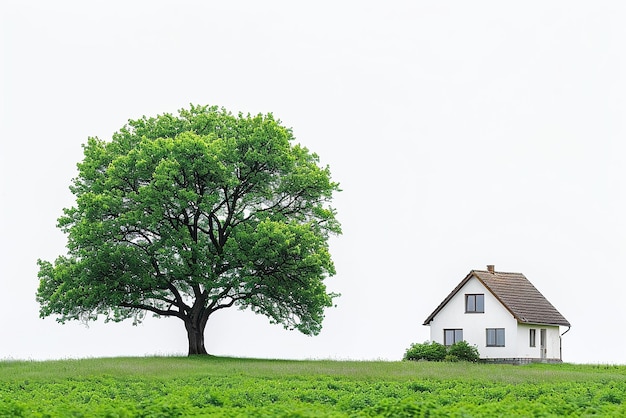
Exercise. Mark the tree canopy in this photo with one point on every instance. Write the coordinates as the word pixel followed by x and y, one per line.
pixel 184 215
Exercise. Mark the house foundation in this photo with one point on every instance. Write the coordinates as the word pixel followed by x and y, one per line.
pixel 520 360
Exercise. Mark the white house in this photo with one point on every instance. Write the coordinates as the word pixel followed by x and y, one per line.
pixel 503 314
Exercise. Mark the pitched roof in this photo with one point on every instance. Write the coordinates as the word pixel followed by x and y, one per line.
pixel 516 294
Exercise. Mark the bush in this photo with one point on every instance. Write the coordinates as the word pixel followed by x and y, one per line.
pixel 430 351
pixel 463 351
pixel 433 351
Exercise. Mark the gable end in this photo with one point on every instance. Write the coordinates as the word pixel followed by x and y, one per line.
pixel 515 292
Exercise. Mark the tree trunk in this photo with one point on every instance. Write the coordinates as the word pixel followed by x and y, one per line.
pixel 195 334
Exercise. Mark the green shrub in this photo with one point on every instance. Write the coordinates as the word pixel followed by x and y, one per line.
pixel 463 351
pixel 433 351
pixel 430 351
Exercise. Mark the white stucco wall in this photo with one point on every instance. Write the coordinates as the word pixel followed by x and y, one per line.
pixel 474 325
pixel 553 344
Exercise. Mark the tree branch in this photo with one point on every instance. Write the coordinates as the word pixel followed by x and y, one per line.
pixel 153 309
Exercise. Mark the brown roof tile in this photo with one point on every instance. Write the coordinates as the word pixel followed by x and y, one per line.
pixel 517 294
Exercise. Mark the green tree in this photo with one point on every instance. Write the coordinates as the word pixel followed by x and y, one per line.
pixel 184 215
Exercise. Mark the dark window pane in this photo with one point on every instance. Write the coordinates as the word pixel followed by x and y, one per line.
pixel 451 336
pixel 495 337
pixel 475 303
pixel 471 303
pixel 480 303
pixel 500 337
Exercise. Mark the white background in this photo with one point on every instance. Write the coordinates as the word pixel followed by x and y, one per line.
pixel 462 133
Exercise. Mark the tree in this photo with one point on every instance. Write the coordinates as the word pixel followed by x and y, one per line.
pixel 186 215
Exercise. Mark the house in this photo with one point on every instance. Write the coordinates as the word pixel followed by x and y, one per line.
pixel 503 314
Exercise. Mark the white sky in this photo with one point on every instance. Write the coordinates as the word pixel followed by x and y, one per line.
pixel 462 133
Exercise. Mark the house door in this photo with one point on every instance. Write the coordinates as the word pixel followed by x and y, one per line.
pixel 542 344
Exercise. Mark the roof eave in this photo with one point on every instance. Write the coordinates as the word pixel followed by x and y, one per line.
pixel 554 324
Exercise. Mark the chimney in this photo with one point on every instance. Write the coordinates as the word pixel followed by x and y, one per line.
pixel 491 268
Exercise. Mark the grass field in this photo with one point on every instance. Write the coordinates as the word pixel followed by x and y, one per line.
pixel 225 387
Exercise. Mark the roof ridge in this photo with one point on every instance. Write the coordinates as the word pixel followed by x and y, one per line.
pixel 498 272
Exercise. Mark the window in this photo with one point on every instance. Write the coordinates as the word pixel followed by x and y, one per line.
pixel 533 337
pixel 451 336
pixel 495 337
pixel 475 303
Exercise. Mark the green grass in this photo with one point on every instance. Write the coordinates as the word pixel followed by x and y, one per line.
pixel 212 386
